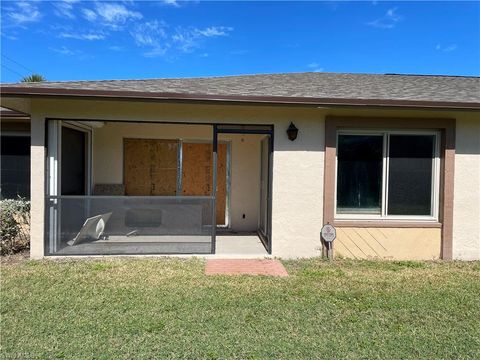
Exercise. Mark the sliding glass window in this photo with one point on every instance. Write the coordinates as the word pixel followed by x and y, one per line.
pixel 388 174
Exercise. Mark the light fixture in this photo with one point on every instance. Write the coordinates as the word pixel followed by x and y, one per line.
pixel 292 132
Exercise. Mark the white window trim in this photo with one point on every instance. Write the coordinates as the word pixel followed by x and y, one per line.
pixel 435 198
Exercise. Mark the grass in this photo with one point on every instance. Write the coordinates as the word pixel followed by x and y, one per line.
pixel 167 308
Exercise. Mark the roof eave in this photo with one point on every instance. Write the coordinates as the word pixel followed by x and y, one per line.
pixel 283 100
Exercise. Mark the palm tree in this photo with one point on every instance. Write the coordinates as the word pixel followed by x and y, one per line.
pixel 33 78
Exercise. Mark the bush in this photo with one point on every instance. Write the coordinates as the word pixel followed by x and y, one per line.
pixel 14 226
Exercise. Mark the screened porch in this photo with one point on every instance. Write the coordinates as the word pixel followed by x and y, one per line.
pixel 147 188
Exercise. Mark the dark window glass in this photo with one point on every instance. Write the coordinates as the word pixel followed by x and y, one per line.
pixel 410 174
pixel 359 178
pixel 73 161
pixel 15 167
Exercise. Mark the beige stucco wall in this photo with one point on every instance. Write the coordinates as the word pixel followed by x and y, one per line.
pixel 297 166
pixel 466 210
pixel 37 186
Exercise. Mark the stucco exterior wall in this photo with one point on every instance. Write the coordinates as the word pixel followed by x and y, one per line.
pixel 466 211
pixel 37 186
pixel 298 167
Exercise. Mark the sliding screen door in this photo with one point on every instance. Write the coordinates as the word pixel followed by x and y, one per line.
pixel 264 179
pixel 197 174
pixel 150 167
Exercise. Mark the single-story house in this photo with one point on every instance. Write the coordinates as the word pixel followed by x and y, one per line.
pixel 255 165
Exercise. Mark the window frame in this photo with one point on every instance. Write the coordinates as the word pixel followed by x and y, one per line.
pixel 436 175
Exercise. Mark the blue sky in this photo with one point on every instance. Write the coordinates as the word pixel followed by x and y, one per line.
pixel 75 40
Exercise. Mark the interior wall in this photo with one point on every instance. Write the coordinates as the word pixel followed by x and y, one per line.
pixel 107 159
pixel 107 152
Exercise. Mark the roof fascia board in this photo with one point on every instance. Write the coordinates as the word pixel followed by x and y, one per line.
pixel 267 100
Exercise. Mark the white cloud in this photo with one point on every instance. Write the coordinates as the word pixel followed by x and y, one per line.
pixel 64 8
pixel 315 67
pixel 89 36
pixel 157 51
pixel 8 36
pixel 153 35
pixel 214 31
pixel 174 3
pixel 64 51
pixel 188 39
pixel 156 36
pixel 88 14
pixel 185 40
pixel 115 14
pixel 388 21
pixel 448 48
pixel 116 48
pixel 23 12
pixel 150 33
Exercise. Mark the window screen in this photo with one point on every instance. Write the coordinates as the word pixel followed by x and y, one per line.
pixel 410 174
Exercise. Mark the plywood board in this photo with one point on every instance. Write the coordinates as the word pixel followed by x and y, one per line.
pixel 197 174
pixel 150 167
pixel 164 172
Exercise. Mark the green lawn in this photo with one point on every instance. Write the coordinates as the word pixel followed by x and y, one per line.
pixel 167 308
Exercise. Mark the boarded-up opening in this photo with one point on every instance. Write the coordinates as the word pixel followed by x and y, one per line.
pixel 150 167
pixel 197 174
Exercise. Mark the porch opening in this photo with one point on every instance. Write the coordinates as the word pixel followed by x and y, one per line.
pixel 118 187
pixel 249 203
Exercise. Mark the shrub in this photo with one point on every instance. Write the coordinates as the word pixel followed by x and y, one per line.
pixel 14 226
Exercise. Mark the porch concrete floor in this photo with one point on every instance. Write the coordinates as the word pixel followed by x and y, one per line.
pixel 241 245
pixel 229 245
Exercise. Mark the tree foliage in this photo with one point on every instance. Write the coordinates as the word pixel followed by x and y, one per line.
pixel 33 78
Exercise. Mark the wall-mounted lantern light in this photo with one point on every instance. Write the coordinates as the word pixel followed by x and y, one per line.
pixel 292 132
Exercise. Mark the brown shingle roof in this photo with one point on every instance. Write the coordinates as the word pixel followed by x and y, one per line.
pixel 308 86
